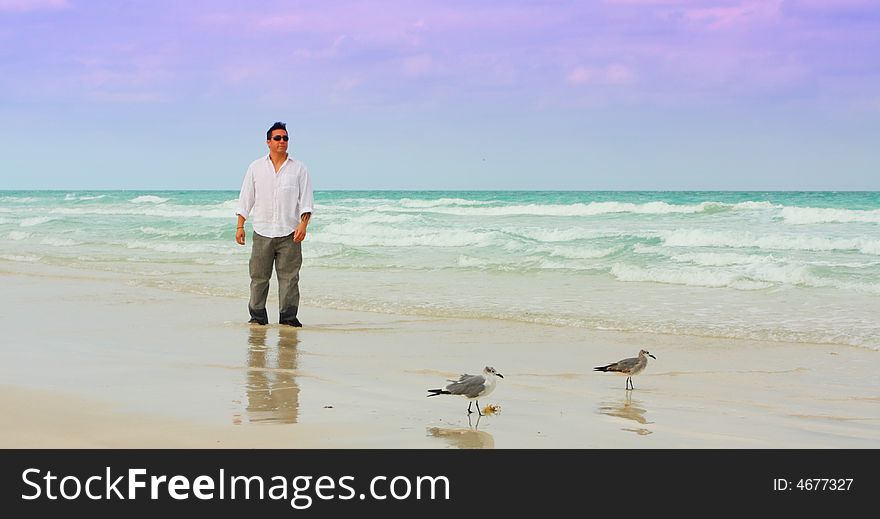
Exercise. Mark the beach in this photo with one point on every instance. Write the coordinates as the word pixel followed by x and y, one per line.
pixel 93 359
pixel 124 321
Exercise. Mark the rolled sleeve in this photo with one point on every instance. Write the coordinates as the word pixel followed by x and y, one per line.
pixel 306 197
pixel 246 196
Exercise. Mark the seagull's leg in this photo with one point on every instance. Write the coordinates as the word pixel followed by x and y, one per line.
pixel 469 408
pixel 478 408
pixel 629 382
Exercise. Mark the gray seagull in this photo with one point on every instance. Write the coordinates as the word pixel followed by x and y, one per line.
pixel 471 387
pixel 629 367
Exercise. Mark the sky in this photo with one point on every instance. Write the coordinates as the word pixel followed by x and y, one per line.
pixel 445 95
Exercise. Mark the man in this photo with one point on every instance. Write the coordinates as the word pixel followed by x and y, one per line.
pixel 276 196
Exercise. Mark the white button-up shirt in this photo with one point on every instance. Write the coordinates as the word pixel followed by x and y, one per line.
pixel 275 202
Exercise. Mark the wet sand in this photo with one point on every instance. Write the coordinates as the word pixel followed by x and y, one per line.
pixel 92 360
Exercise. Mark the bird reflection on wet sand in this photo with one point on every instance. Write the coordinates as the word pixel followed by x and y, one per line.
pixel 470 438
pixel 628 409
pixel 271 389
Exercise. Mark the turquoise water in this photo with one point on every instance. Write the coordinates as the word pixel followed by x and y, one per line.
pixel 794 266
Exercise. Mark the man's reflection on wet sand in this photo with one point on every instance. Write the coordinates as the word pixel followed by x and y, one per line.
pixel 272 393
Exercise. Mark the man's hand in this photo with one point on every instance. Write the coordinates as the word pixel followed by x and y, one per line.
pixel 300 233
pixel 239 235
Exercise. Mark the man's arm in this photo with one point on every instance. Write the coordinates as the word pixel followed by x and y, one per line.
pixel 239 230
pixel 246 198
pixel 306 203
pixel 300 233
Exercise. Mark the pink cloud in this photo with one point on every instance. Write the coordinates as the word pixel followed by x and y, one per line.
pixel 645 2
pixel 580 76
pixel 324 52
pixel 346 84
pixel 284 23
pixel 614 74
pixel 127 97
pixel 238 73
pixel 419 65
pixel 834 4
pixel 743 13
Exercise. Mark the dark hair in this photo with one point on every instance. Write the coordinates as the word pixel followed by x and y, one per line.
pixel 277 126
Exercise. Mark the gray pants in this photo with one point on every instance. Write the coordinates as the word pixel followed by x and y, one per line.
pixel 286 255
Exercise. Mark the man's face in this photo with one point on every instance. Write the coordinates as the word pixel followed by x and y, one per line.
pixel 279 145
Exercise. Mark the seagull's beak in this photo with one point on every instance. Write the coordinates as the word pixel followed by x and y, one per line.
pixel 653 357
pixel 500 375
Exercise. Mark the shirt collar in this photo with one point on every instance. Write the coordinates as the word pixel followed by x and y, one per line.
pixel 268 158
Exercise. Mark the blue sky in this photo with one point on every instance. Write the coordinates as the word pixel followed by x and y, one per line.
pixel 491 94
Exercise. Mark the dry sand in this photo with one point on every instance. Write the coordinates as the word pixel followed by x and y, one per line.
pixel 93 360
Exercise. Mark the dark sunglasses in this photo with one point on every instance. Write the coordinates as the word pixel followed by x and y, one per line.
pixel 279 137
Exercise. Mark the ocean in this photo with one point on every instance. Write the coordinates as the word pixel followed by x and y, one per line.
pixel 768 266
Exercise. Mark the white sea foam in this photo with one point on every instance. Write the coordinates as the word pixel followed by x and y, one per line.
pixel 148 199
pixel 18 199
pixel 754 276
pixel 578 209
pixel 324 250
pixel 870 288
pixel 36 220
pixel 810 215
pixel 572 252
pixel 641 248
pixel 813 277
pixel 845 264
pixel 750 205
pixel 171 233
pixel 557 235
pixel 462 207
pixel 59 242
pixel 708 238
pixel 382 218
pixel 686 276
pixel 221 262
pixel 440 202
pixel 18 235
pixel 471 262
pixel 546 264
pixel 870 247
pixel 786 274
pixel 163 211
pixel 716 259
pixel 73 196
pixel 361 235
pixel 723 259
pixel 184 248
pixel 24 258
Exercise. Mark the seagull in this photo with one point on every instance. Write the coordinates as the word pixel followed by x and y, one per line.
pixel 471 387
pixel 629 367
